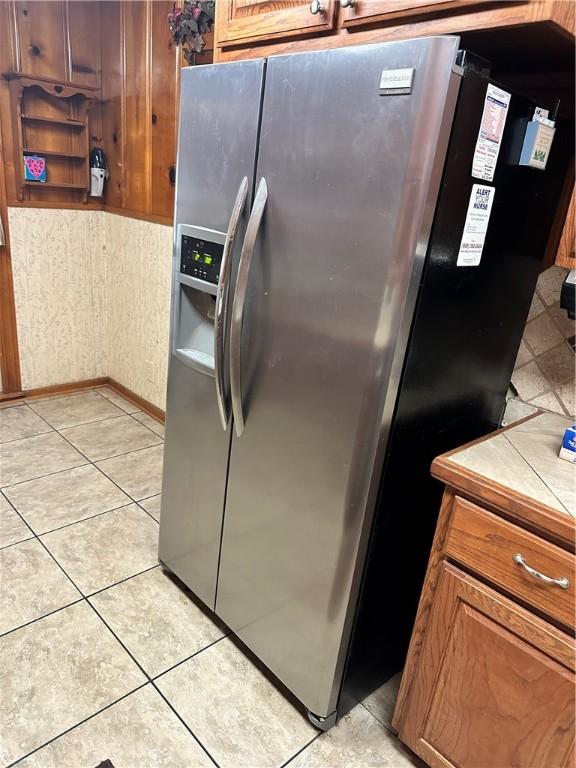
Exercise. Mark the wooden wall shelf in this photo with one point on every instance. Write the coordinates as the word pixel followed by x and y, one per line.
pixel 53 115
pixel 52 153
pixel 55 121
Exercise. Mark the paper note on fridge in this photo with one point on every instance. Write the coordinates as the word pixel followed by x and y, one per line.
pixel 490 134
pixel 475 226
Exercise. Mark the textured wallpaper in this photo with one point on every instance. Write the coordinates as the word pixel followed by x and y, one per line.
pixel 138 265
pixel 59 287
pixel 92 294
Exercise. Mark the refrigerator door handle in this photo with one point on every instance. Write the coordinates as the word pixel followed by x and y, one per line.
pixel 222 300
pixel 238 304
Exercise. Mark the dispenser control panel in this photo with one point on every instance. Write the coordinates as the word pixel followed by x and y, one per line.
pixel 200 258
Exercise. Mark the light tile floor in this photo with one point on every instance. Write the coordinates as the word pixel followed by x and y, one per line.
pixel 103 656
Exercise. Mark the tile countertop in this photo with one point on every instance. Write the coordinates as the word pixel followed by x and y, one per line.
pixel 518 470
pixel 525 459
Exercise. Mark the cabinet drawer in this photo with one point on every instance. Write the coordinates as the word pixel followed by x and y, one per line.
pixel 489 545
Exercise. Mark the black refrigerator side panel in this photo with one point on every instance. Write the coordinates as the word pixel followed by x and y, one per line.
pixel 463 345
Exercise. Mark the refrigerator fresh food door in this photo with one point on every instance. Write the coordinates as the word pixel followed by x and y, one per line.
pixel 351 151
pixel 219 118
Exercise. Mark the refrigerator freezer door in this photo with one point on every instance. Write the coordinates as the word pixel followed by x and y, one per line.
pixel 352 170
pixel 219 118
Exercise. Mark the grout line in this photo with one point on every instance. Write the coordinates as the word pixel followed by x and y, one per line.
pixel 40 477
pixel 81 722
pixel 295 755
pixel 44 616
pixel 14 543
pixel 151 681
pixel 184 723
pixel 117 394
pixel 192 655
pixel 36 434
pixel 85 599
pixel 81 519
pixel 160 442
pixel 116 455
pixel 146 498
pixel 120 581
pixel 147 512
pixel 544 483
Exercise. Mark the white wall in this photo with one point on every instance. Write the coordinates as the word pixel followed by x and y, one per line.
pixel 59 286
pixel 138 275
pixel 92 294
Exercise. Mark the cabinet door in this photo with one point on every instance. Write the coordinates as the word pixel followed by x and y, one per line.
pixel 494 685
pixel 240 21
pixel 370 11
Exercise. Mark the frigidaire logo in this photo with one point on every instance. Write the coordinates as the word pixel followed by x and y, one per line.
pixel 396 81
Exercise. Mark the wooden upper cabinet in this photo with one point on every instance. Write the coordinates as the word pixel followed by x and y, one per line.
pixel 243 21
pixel 356 12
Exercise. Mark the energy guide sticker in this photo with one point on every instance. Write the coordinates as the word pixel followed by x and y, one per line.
pixel 476 226
pixel 490 135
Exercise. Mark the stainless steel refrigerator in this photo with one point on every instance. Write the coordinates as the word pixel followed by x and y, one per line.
pixel 326 343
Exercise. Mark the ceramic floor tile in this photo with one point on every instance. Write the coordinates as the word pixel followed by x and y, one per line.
pixel 536 307
pixel 524 355
pixel 156 620
pixel 565 325
pixel 549 284
pixel 148 421
pixel 33 457
pixel 234 710
pixel 111 437
pixel 19 422
pixel 548 402
pixel 12 528
pixel 529 381
pixel 557 365
pixel 357 741
pixel 71 410
pixel 32 585
pixel 381 702
pixel 56 672
pixel 541 334
pixel 118 400
pixel 66 497
pixel 566 394
pixel 10 403
pixel 152 505
pixel 139 474
pixel 141 731
pixel 102 550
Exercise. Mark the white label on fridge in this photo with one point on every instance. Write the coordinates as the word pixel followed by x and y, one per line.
pixel 476 226
pixel 490 135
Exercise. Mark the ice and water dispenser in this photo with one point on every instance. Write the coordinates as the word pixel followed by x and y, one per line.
pixel 198 264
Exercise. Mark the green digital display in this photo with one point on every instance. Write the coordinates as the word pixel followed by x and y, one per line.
pixel 203 258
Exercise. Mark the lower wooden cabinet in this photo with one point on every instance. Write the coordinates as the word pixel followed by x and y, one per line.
pixel 494 684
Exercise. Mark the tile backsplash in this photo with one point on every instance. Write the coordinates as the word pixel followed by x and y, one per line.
pixel 544 371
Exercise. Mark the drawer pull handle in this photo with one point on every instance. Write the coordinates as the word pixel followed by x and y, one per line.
pixel 563 582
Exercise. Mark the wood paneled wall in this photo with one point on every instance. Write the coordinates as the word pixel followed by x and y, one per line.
pixel 124 48
pixel 140 82
pixel 59 39
pixel 140 76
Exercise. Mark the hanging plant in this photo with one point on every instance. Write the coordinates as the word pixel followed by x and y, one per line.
pixel 188 23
